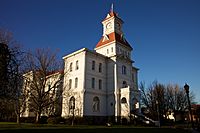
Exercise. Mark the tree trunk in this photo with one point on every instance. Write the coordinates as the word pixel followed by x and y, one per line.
pixel 18 118
pixel 17 111
pixel 38 117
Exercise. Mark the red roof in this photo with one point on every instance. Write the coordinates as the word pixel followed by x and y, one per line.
pixel 113 37
pixel 195 105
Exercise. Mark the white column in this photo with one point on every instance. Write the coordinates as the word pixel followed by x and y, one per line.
pixel 117 94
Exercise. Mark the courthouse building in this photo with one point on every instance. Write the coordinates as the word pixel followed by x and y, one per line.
pixel 102 82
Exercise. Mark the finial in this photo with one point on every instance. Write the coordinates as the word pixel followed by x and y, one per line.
pixel 112 8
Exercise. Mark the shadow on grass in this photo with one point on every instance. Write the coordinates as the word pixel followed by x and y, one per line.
pixel 95 130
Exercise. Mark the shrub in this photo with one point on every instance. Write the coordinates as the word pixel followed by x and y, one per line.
pixel 27 119
pixel 43 120
pixel 77 120
pixel 55 120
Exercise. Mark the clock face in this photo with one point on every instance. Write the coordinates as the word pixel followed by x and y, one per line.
pixel 109 25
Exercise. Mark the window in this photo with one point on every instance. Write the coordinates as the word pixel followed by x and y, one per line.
pixel 133 77
pixel 112 49
pixel 100 67
pixel 123 100
pixel 93 65
pixel 118 50
pixel 77 65
pixel 100 84
pixel 134 103
pixel 124 70
pixel 70 83
pixel 49 85
pixel 93 83
pixel 124 53
pixel 128 55
pixel 107 51
pixel 70 67
pixel 96 104
pixel 124 84
pixel 76 82
pixel 71 105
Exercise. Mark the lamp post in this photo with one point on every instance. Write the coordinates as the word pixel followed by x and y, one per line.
pixel 157 106
pixel 186 87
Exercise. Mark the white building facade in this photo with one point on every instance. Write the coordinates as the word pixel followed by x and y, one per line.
pixel 103 82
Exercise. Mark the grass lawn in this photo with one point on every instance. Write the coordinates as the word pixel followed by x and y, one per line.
pixel 32 128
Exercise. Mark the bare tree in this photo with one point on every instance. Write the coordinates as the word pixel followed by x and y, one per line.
pixel 11 65
pixel 161 99
pixel 176 99
pixel 43 82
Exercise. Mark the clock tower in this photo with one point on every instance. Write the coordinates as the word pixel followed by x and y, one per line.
pixel 112 23
pixel 113 42
pixel 121 75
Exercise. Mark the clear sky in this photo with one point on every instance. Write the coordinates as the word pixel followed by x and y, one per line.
pixel 165 34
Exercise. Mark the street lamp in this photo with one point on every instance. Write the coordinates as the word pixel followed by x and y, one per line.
pixel 186 87
pixel 158 113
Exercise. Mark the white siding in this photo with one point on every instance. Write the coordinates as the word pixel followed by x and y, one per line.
pixel 90 92
pixel 76 92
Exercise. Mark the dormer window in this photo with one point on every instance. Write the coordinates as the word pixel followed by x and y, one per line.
pixel 105 38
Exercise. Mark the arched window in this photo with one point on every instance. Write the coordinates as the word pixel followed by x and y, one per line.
pixel 70 83
pixel 76 82
pixel 71 104
pixel 77 66
pixel 123 69
pixel 96 104
pixel 70 67
pixel 124 84
pixel 123 100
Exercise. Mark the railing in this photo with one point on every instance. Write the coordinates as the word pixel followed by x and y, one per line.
pixel 146 119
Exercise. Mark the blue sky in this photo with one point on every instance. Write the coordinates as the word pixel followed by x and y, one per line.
pixel 165 34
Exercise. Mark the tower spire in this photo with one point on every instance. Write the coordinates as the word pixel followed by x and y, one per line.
pixel 112 8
